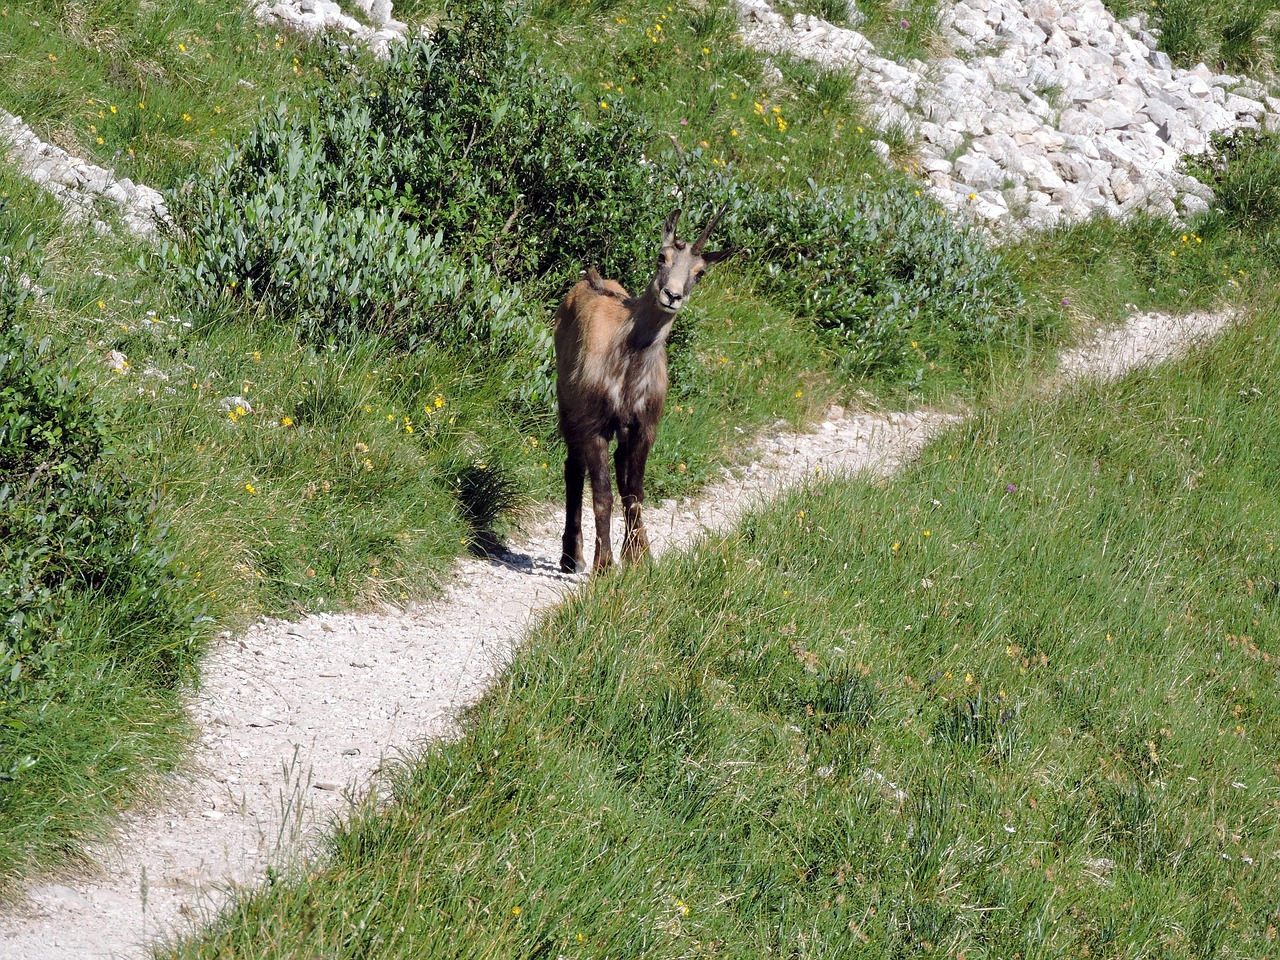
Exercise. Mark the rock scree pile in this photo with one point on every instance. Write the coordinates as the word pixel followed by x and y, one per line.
pixel 377 31
pixel 1048 111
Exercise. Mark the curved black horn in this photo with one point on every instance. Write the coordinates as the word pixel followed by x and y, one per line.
pixel 697 247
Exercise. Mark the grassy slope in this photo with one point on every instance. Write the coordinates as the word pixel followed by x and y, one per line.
pixel 148 91
pixel 319 497
pixel 1019 701
pixel 144 89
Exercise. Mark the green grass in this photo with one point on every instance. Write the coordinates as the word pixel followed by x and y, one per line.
pixel 685 68
pixel 1019 700
pixel 74 761
pixel 340 487
pixel 1103 269
pixel 144 89
pixel 902 30
pixel 95 641
pixel 1236 37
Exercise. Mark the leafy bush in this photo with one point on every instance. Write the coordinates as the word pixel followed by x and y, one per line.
pixel 886 274
pixel 82 560
pixel 450 196
pixel 446 196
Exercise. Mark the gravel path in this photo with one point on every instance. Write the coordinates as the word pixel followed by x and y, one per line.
pixel 295 717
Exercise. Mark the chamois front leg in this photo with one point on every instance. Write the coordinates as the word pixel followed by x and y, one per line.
pixel 630 460
pixel 571 545
pixel 596 455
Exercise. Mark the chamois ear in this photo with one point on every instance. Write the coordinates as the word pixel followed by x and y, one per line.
pixel 669 229
pixel 715 256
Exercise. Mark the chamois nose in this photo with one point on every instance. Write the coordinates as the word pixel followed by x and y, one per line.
pixel 673 297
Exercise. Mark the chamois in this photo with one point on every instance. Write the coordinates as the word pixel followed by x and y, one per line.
pixel 611 370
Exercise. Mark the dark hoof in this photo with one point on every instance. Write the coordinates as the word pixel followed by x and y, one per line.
pixel 569 565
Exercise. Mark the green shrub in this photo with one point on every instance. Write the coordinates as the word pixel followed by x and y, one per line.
pixel 885 272
pixel 887 275
pixel 448 196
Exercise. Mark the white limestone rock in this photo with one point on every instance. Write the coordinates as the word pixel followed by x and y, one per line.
pixel 1051 104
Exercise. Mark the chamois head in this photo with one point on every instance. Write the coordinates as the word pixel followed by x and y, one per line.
pixel 681 265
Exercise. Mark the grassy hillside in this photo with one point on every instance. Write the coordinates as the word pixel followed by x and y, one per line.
pixel 1018 701
pixel 333 374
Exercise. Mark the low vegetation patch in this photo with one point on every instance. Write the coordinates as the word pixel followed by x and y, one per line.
pixel 1243 168
pixel 443 197
pixel 137 88
pixel 1236 36
pixel 97 626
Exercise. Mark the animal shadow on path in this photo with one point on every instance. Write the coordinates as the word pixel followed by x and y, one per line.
pixel 538 564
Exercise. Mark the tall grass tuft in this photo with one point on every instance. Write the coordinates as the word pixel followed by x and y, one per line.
pixel 1233 37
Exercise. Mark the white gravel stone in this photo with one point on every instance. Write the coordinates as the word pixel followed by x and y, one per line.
pixel 79 185
pixel 378 34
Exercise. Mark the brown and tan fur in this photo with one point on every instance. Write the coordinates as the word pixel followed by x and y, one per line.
pixel 611 369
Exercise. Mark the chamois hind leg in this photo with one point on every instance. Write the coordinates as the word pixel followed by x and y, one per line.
pixel 596 455
pixel 630 461
pixel 571 546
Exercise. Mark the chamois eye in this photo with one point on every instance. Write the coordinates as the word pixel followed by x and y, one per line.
pixel 662 259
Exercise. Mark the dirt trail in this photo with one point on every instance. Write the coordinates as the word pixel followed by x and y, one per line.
pixel 294 717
